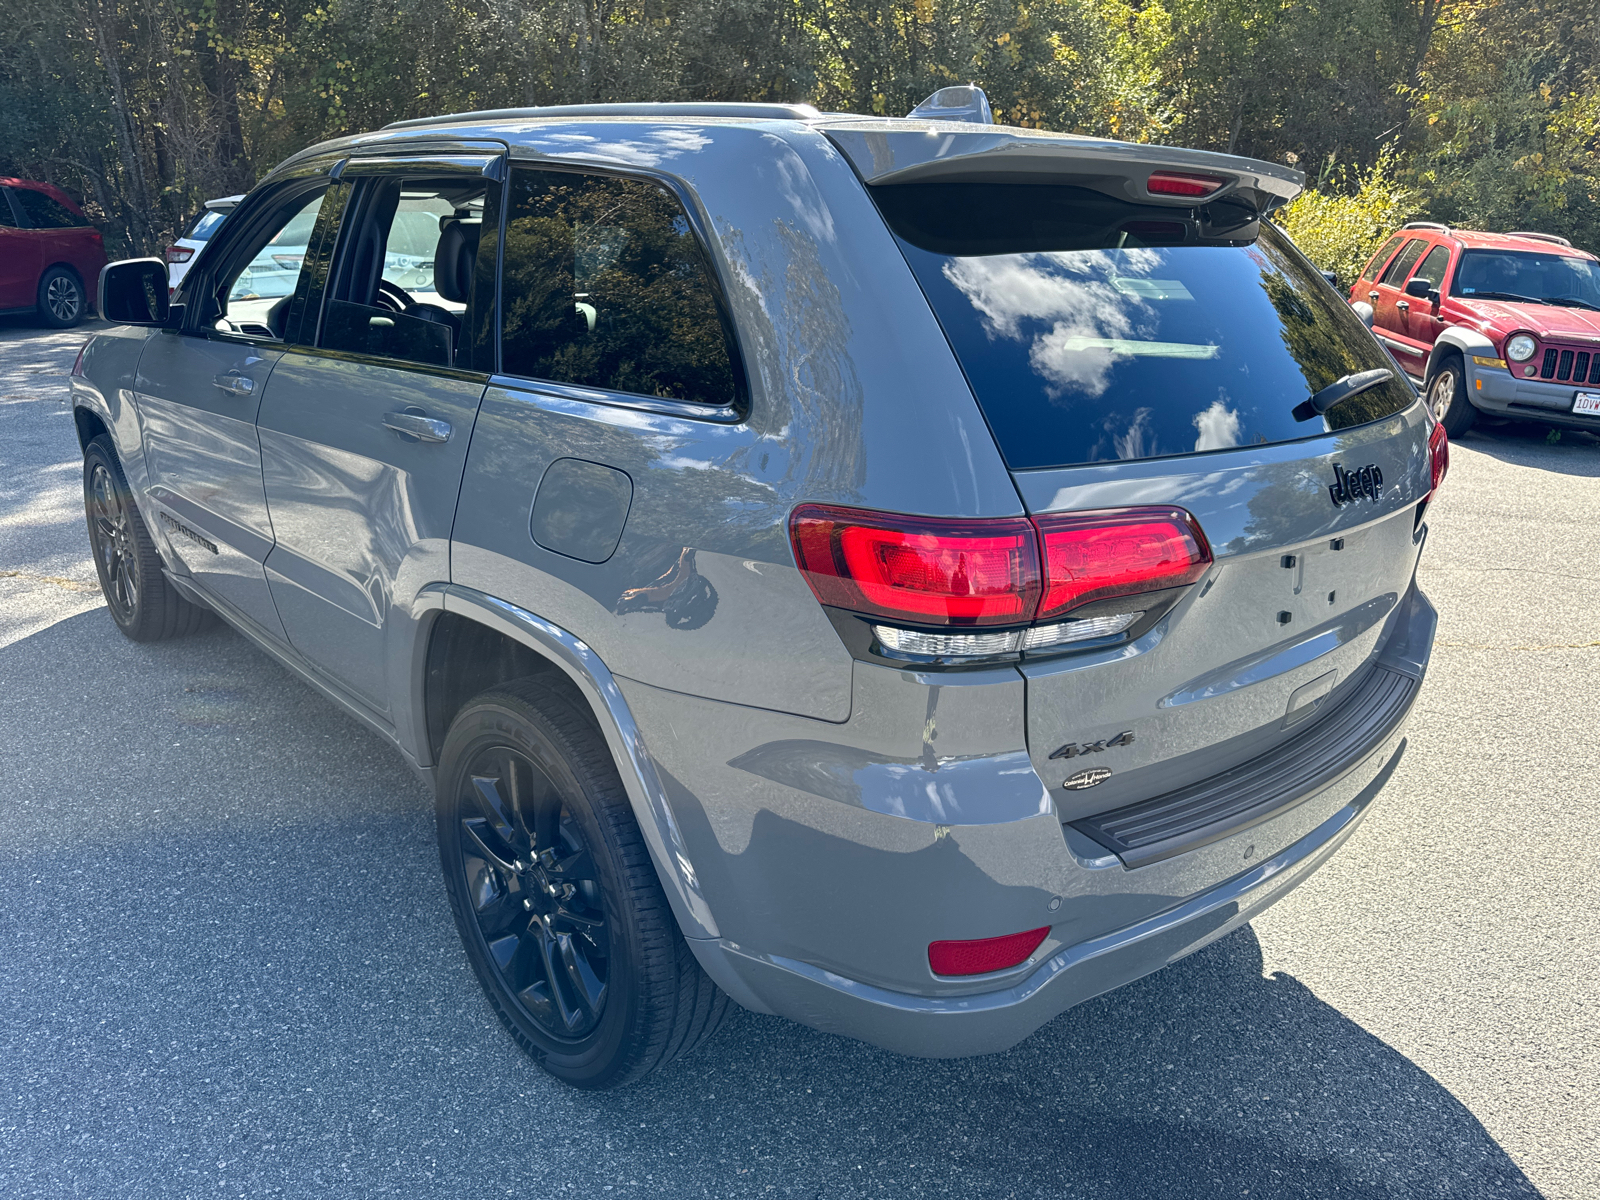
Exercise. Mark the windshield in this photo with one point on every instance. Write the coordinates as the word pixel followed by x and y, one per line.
pixel 1093 330
pixel 1554 278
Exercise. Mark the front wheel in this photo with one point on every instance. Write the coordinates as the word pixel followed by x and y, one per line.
pixel 1447 397
pixel 555 896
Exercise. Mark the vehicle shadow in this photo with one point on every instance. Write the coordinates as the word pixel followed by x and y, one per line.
pixel 230 967
pixel 1527 444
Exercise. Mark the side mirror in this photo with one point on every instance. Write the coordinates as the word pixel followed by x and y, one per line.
pixel 1419 288
pixel 1364 311
pixel 1331 276
pixel 134 292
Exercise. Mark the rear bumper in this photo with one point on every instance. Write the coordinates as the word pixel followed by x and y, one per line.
pixel 1207 892
pixel 989 1022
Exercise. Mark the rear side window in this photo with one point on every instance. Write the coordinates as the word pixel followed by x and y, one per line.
pixel 44 212
pixel 1435 266
pixel 1381 257
pixel 7 219
pixel 1400 268
pixel 605 285
pixel 1092 329
pixel 205 226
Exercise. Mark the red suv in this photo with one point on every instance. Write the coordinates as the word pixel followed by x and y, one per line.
pixel 50 256
pixel 1508 323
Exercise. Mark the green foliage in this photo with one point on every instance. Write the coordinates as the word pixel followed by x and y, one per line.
pixel 1342 220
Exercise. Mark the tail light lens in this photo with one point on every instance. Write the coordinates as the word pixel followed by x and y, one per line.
pixel 179 254
pixel 77 363
pixel 1438 456
pixel 1178 183
pixel 930 572
pixel 1011 571
pixel 1121 552
pixel 983 955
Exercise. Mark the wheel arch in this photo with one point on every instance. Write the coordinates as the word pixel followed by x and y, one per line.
pixel 90 425
pixel 1458 339
pixel 475 641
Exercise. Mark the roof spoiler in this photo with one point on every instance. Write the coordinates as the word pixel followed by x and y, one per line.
pixel 903 152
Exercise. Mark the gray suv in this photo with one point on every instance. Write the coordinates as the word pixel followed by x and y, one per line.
pixel 909 575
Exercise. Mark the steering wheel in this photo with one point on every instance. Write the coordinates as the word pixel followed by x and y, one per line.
pixel 392 297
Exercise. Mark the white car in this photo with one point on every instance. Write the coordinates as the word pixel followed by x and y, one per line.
pixel 181 253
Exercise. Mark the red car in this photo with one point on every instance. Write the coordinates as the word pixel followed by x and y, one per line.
pixel 50 256
pixel 1505 323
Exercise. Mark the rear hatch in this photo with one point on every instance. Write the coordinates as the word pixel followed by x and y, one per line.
pixel 1137 335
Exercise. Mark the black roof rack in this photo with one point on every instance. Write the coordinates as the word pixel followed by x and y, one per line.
pixel 757 112
pixel 1543 237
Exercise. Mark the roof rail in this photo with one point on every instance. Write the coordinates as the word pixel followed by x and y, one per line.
pixel 1426 225
pixel 1543 237
pixel 758 112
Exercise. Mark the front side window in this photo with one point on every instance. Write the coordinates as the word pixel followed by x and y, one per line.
pixel 1561 279
pixel 1435 267
pixel 1381 257
pixel 606 286
pixel 1400 268
pixel 255 288
pixel 46 212
pixel 1092 329
pixel 404 285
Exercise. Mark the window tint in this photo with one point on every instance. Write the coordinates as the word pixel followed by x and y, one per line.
pixel 1092 329
pixel 43 212
pixel 1381 257
pixel 404 286
pixel 1400 269
pixel 256 289
pixel 1435 266
pixel 1511 273
pixel 205 225
pixel 7 219
pixel 606 286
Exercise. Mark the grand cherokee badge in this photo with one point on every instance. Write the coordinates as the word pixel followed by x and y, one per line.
pixel 1353 485
pixel 1086 779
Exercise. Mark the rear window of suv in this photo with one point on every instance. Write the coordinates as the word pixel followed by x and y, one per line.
pixel 1093 330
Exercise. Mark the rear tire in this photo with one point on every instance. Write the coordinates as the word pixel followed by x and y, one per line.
pixel 61 300
pixel 1447 396
pixel 142 603
pixel 556 898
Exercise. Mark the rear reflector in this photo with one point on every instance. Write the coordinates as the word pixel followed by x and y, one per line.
pixel 985 954
pixel 1438 456
pixel 926 571
pixel 1175 183
pixel 179 254
pixel 1119 552
pixel 1005 571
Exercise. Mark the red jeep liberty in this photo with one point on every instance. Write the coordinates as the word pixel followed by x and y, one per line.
pixel 1508 323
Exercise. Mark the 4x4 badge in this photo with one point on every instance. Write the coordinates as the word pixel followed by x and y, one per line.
pixel 1354 485
pixel 1073 749
pixel 1086 779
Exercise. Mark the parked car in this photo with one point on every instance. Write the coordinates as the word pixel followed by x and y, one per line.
pixel 50 256
pixel 182 251
pixel 1503 323
pixel 907 575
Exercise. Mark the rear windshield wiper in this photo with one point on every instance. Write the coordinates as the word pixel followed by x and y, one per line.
pixel 1569 301
pixel 1341 390
pixel 1508 296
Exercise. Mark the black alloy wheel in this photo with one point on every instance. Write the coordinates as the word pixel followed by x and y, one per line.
pixel 534 894
pixel 144 605
pixel 554 894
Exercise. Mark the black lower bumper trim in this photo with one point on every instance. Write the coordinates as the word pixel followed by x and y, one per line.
pixel 1256 791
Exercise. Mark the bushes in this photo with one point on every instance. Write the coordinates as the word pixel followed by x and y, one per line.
pixel 1343 219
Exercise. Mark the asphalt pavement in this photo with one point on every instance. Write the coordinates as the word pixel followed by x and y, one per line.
pixel 227 967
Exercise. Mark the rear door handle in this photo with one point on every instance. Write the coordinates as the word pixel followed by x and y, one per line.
pixel 235 384
pixel 423 428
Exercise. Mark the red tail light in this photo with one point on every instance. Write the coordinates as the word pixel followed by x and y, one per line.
pixel 1121 552
pixel 932 572
pixel 179 254
pixel 77 363
pixel 985 954
pixel 1438 456
pixel 927 571
pixel 1177 183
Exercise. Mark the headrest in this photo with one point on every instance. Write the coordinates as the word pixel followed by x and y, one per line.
pixel 455 258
